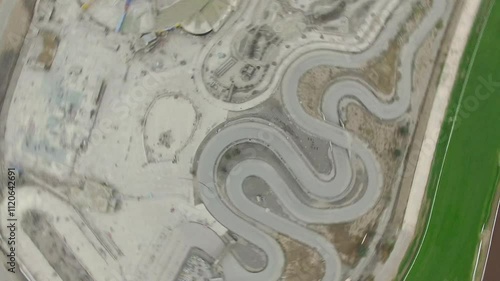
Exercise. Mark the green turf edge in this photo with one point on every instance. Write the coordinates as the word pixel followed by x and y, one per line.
pixel 440 152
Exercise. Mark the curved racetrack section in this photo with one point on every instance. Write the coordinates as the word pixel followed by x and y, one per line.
pixel 237 213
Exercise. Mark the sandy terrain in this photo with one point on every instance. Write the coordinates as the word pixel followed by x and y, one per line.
pixel 303 263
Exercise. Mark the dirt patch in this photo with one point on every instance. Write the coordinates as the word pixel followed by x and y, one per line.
pixel 302 262
pixel 388 140
pixel 350 248
pixel 47 55
pixel 312 87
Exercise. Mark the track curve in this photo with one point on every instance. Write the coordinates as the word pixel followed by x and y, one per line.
pixel 239 214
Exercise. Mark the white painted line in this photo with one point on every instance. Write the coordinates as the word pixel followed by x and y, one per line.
pixel 476 48
pixel 491 240
pixel 477 260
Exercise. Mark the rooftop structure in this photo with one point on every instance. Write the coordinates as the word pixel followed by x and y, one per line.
pixel 143 16
pixel 195 16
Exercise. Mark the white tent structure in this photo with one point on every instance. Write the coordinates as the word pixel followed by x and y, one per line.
pixel 195 16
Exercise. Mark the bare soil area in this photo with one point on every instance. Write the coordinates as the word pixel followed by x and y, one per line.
pixel 350 248
pixel 302 262
pixel 387 140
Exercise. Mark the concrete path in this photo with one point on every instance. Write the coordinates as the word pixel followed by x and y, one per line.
pixel 6 8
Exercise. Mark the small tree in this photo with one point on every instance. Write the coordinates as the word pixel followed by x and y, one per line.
pixel 236 152
pixel 223 169
pixel 397 153
pixel 439 24
pixel 362 250
pixel 404 130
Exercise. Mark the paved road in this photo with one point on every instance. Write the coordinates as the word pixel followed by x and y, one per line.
pixel 6 8
pixel 238 213
pixel 8 57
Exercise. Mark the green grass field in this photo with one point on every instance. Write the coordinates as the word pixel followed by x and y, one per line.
pixel 465 170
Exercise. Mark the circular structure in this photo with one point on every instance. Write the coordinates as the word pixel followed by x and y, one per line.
pixel 165 136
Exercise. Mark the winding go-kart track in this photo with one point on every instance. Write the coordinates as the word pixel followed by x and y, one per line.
pixel 236 212
pixel 153 207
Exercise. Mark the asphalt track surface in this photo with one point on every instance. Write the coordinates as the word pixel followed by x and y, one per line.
pixel 236 212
